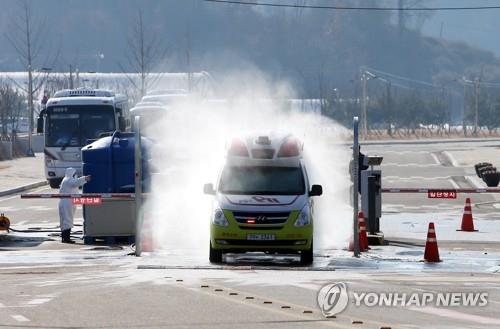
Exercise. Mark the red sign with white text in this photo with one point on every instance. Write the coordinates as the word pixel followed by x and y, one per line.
pixel 87 201
pixel 442 194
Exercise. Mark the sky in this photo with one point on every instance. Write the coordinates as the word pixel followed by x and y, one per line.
pixel 478 28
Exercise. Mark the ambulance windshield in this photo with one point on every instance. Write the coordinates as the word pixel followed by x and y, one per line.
pixel 262 181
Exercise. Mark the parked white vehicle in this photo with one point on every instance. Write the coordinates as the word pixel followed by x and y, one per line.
pixel 149 116
pixel 73 118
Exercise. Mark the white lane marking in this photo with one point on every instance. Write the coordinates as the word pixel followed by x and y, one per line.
pixel 9 209
pixel 420 165
pixel 455 185
pixel 435 158
pixel 17 196
pixel 452 159
pixel 416 178
pixel 2 305
pixel 39 208
pixel 39 301
pixel 403 152
pixel 20 318
pixel 31 208
pixel 10 198
pixel 457 315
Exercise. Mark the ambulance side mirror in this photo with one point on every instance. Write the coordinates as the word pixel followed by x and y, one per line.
pixel 316 190
pixel 209 189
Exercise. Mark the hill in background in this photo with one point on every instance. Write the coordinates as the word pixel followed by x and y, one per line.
pixel 315 49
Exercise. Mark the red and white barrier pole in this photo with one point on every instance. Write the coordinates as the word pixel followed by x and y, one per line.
pixel 431 190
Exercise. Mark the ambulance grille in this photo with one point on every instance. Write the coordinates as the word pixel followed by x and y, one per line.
pixel 261 217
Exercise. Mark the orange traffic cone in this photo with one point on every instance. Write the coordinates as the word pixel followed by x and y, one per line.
pixel 363 237
pixel 431 253
pixel 147 233
pixel 467 220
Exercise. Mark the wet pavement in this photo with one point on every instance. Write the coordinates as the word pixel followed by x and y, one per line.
pixel 177 287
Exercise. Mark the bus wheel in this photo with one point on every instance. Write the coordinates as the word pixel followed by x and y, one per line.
pixel 55 183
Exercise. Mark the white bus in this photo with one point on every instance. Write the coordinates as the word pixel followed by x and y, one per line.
pixel 72 119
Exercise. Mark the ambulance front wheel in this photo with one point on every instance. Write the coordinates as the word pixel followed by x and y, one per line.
pixel 215 255
pixel 306 256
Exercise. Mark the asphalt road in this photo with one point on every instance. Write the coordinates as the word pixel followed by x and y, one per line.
pixel 429 166
pixel 49 285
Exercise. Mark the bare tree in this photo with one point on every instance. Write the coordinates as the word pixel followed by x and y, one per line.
pixel 145 54
pixel 11 106
pixel 27 38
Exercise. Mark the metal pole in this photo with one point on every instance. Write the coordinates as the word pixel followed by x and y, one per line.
pixel 29 152
pixel 476 106
pixel 464 114
pixel 138 185
pixel 355 169
pixel 364 123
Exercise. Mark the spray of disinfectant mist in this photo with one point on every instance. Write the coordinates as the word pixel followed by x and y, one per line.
pixel 190 141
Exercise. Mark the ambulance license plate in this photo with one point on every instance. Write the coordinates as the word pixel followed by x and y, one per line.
pixel 261 237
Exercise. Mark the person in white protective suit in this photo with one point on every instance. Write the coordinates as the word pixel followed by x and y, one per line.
pixel 69 185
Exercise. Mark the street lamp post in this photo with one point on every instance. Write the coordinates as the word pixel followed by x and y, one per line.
pixel 365 76
pixel 99 57
pixel 335 93
pixel 29 151
pixel 477 88
pixel 364 121
pixel 477 85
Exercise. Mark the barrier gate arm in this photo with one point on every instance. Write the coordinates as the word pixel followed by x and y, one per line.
pixel 104 196
pixel 434 190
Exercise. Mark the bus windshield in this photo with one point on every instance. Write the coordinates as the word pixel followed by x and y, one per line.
pixel 75 125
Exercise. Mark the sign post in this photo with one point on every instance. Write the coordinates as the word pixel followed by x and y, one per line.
pixel 355 169
pixel 138 185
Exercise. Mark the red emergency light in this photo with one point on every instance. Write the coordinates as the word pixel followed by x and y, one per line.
pixel 250 221
pixel 238 148
pixel 290 148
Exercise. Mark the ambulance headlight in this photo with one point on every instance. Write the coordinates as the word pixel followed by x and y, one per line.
pixel 219 218
pixel 304 217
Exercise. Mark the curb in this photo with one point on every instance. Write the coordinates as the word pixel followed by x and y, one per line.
pixel 23 188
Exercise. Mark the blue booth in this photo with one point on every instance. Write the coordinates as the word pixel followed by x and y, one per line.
pixel 110 162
